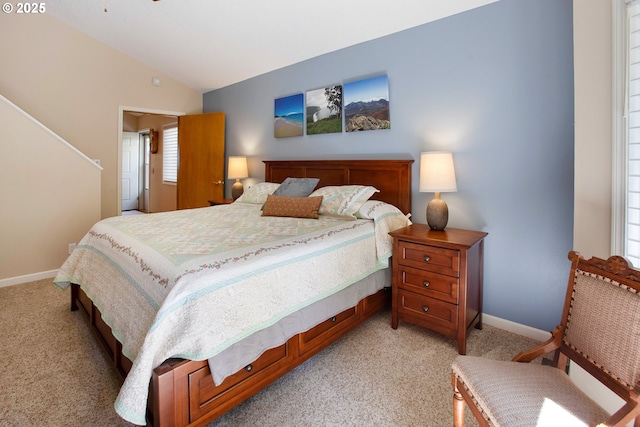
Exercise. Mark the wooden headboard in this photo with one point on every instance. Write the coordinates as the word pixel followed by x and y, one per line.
pixel 391 177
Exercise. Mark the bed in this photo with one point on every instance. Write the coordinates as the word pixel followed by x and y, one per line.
pixel 209 324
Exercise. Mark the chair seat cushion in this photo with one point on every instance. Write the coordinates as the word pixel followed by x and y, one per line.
pixel 514 394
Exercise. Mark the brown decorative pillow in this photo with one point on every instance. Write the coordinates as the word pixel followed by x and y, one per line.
pixel 295 207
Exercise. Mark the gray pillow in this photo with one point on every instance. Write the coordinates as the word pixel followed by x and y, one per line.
pixel 296 187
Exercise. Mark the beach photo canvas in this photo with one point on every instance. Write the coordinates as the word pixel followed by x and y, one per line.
pixel 366 104
pixel 324 110
pixel 288 116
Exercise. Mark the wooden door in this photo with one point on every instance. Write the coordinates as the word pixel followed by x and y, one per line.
pixel 201 159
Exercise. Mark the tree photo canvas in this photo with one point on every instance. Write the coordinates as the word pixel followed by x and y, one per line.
pixel 324 110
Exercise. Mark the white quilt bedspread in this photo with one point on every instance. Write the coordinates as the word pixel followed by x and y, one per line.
pixel 190 283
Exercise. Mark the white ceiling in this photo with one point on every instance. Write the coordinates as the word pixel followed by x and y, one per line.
pixel 209 44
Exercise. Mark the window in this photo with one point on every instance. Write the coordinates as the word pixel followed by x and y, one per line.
pixel 632 98
pixel 170 154
pixel 625 232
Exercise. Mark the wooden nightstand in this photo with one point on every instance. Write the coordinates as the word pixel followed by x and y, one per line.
pixel 437 280
pixel 220 202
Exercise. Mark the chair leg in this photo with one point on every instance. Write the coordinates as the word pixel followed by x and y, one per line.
pixel 458 409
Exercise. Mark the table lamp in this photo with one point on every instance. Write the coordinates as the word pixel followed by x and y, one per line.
pixel 437 175
pixel 237 169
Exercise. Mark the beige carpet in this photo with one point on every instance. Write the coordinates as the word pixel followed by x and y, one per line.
pixel 55 374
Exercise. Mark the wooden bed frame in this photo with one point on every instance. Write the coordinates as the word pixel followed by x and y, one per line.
pixel 182 392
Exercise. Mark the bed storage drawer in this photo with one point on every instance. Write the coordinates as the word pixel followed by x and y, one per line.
pixel 316 336
pixel 204 394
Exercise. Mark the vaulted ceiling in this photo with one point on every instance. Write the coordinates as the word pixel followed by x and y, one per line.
pixel 209 44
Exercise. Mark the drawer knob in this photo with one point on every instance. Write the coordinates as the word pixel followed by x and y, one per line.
pixel 333 319
pixel 426 283
pixel 426 258
pixel 425 308
pixel 248 368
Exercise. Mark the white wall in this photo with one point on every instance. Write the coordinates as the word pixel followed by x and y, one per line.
pixel 50 195
pixel 593 127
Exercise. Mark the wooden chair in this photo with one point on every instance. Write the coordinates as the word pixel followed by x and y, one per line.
pixel 600 331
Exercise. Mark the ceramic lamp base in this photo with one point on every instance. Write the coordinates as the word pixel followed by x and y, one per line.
pixel 237 189
pixel 437 213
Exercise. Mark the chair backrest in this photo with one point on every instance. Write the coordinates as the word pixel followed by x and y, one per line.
pixel 601 321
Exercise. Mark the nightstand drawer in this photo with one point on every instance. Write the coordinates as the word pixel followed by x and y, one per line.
pixel 439 260
pixel 439 286
pixel 427 310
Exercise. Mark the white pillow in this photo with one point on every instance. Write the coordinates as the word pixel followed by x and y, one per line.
pixel 386 218
pixel 343 200
pixel 375 209
pixel 257 193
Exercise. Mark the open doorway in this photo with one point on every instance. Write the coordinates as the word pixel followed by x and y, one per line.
pixel 140 185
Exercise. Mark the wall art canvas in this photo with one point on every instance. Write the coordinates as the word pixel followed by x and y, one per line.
pixel 366 104
pixel 288 116
pixel 324 110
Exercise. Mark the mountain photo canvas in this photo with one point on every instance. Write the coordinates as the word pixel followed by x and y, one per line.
pixel 366 104
pixel 288 116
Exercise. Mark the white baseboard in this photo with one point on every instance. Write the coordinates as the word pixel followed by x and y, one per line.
pixel 28 278
pixel 516 328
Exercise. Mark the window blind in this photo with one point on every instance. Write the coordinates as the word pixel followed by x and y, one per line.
pixel 632 241
pixel 170 154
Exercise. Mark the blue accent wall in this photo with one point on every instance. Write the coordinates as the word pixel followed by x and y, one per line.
pixel 494 85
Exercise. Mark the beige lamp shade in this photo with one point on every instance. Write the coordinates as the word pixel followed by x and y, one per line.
pixel 237 167
pixel 437 175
